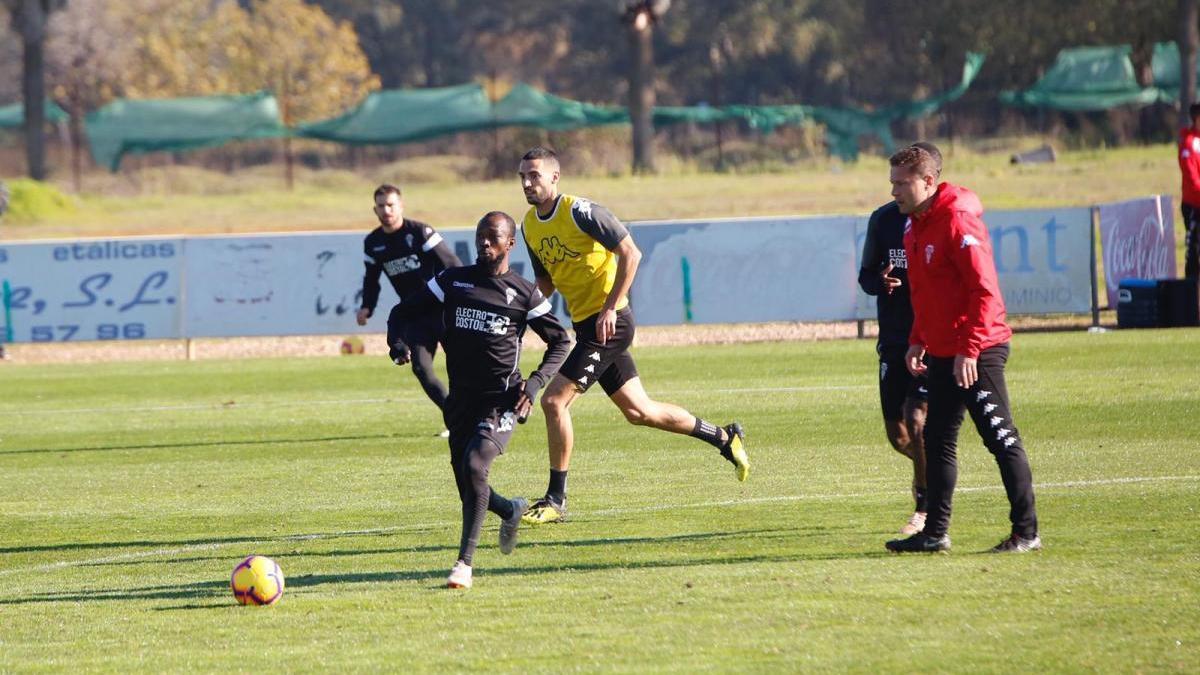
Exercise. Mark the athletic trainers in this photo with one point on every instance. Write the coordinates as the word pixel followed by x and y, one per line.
pixel 508 526
pixel 915 524
pixel 735 451
pixel 444 433
pixel 1018 544
pixel 545 510
pixel 460 575
pixel 919 543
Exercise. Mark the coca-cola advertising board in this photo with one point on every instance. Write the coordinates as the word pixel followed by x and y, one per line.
pixel 1137 241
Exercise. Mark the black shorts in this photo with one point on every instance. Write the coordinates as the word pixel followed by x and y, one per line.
pixel 896 384
pixel 610 363
pixel 490 416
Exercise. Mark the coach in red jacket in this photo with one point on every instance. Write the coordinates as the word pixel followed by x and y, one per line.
pixel 1189 167
pixel 959 328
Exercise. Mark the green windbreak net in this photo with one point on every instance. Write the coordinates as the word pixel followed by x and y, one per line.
pixel 1086 78
pixel 170 125
pixel 13 116
pixel 406 115
pixel 843 126
pixel 526 106
pixel 1168 75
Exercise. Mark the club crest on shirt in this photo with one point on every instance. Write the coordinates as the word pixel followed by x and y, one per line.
pixel 408 240
pixel 928 253
pixel 509 294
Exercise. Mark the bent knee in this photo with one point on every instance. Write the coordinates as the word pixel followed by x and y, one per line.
pixel 636 415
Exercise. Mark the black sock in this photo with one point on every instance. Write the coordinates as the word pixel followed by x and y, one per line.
pixel 709 433
pixel 558 486
pixel 500 506
pixel 919 495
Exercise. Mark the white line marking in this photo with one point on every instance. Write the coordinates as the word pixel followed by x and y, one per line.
pixel 603 512
pixel 403 399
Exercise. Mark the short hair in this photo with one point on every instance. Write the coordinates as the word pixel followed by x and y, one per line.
pixel 933 152
pixel 540 152
pixel 917 159
pixel 387 189
pixel 501 218
pixel 1194 110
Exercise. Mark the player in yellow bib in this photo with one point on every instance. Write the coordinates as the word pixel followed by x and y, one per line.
pixel 580 249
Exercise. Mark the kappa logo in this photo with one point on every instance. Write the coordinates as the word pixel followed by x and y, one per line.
pixel 552 251
pixel 584 207
pixel 1003 432
pixel 463 284
pixel 996 421
pixel 989 408
pixel 509 294
pixel 982 394
pixel 928 253
pixel 379 248
pixel 591 369
pixel 595 356
pixel 1010 441
pixel 583 380
pixel 969 240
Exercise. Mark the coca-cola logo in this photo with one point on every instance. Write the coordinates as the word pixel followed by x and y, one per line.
pixel 1137 246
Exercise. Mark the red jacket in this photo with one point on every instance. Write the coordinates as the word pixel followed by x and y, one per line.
pixel 957 304
pixel 1189 165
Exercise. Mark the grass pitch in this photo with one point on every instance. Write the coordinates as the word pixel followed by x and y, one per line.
pixel 129 492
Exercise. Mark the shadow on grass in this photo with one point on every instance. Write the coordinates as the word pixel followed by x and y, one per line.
pixel 202 444
pixel 215 541
pixel 214 594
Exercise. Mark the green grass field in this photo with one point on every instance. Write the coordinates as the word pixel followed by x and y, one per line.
pixel 131 490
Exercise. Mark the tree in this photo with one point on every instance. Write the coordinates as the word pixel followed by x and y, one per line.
pixel 87 55
pixel 639 16
pixel 313 64
pixel 1189 42
pixel 30 18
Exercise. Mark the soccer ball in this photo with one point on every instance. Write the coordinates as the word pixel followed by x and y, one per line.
pixel 257 580
pixel 352 345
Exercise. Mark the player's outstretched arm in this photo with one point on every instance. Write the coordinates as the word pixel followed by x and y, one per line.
pixel 869 278
pixel 370 290
pixel 558 345
pixel 415 304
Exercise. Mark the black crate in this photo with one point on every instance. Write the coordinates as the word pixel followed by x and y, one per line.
pixel 1178 303
pixel 1137 303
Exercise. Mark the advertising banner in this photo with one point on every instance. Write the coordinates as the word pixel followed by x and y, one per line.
pixel 301 284
pixel 102 289
pixel 1137 239
pixel 1042 259
pixel 746 270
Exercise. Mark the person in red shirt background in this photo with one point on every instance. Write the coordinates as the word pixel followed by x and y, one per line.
pixel 1189 167
pixel 959 341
